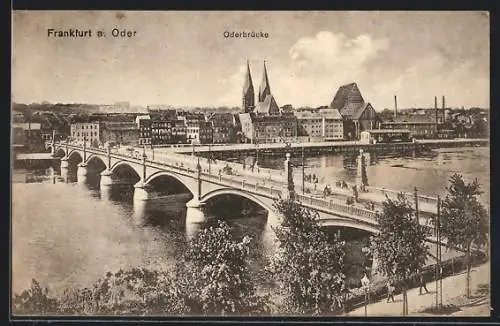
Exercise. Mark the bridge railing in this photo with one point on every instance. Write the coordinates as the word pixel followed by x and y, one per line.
pixel 393 194
pixel 190 165
pixel 331 205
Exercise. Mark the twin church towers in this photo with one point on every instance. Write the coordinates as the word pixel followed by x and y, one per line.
pixel 266 104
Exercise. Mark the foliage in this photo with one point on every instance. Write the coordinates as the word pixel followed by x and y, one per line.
pixel 217 277
pixel 464 221
pixel 400 245
pixel 34 301
pixel 138 291
pixel 135 292
pixel 307 266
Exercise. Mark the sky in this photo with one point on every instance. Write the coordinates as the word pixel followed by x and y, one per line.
pixel 183 59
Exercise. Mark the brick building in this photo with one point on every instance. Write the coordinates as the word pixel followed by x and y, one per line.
pixel 224 128
pixel 119 132
pixel 358 115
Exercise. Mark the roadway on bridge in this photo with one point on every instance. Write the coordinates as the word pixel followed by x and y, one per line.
pixel 263 146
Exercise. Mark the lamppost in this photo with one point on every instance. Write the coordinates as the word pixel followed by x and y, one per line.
pixel 256 153
pixel 84 148
pixel 209 158
pixel 439 284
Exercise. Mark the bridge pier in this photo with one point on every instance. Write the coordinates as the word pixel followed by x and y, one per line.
pixel 106 179
pixel 194 213
pixel 64 163
pixel 64 168
pixel 141 192
pixel 82 170
pixel 195 216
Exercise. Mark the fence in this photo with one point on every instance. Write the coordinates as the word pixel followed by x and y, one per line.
pixel 337 207
pixel 379 290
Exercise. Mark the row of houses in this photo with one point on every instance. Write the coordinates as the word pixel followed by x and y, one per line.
pixel 160 128
pixel 261 120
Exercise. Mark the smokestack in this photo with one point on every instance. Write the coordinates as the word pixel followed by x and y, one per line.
pixel 444 109
pixel 436 110
pixel 395 107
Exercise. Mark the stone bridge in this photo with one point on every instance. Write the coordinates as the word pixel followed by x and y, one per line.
pixel 199 177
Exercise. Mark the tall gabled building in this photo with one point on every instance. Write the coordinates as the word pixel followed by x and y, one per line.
pixel 358 115
pixel 248 92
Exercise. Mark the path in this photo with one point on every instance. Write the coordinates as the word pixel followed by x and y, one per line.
pixel 453 293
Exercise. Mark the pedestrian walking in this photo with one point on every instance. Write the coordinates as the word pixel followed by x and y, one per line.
pixel 422 283
pixel 390 291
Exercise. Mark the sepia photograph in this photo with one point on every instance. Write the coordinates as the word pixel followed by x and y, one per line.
pixel 244 163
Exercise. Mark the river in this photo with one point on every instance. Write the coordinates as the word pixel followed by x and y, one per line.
pixel 68 234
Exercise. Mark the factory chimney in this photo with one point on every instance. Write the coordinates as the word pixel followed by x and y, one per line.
pixel 395 107
pixel 444 109
pixel 436 110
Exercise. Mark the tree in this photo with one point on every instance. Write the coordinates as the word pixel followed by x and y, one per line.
pixel 464 221
pixel 137 291
pixel 400 245
pixel 217 278
pixel 307 266
pixel 34 301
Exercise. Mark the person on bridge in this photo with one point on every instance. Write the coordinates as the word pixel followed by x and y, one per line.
pixel 327 191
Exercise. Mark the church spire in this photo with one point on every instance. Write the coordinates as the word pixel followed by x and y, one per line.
pixel 264 89
pixel 248 92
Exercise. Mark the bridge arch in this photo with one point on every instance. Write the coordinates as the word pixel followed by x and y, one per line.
pixel 125 164
pixel 74 153
pixel 347 222
pixel 158 174
pixel 59 152
pixel 236 192
pixel 96 158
